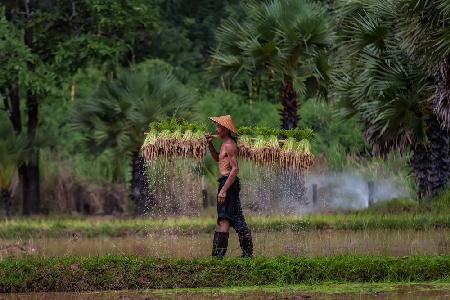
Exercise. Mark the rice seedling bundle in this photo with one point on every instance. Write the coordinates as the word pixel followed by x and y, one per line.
pixel 263 146
pixel 172 138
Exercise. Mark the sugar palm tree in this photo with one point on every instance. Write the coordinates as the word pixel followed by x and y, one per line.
pixel 424 26
pixel 117 113
pixel 390 92
pixel 286 40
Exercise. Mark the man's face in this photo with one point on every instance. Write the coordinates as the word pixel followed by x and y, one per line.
pixel 221 131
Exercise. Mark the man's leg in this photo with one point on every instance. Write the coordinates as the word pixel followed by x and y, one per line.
pixel 245 239
pixel 220 241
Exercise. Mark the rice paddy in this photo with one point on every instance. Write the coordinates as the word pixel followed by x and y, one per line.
pixel 267 244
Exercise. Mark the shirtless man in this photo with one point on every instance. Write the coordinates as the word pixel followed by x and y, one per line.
pixel 229 211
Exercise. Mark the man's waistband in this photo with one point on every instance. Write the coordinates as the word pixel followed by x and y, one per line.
pixel 223 178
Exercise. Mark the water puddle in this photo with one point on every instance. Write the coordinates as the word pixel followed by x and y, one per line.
pixel 402 292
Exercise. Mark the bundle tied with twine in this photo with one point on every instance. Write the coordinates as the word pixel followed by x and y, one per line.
pixel 174 138
pixel 264 146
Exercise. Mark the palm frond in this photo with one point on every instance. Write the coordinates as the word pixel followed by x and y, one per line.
pixel 278 36
pixel 378 82
pixel 117 113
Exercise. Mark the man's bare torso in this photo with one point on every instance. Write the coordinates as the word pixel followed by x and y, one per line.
pixel 224 162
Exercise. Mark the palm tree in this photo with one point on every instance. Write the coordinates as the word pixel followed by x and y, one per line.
pixel 285 40
pixel 117 114
pixel 424 26
pixel 380 83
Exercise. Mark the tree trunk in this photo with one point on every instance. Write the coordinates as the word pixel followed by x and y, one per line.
pixel 33 162
pixel 25 187
pixel 431 162
pixel 12 105
pixel 140 192
pixel 28 173
pixel 31 184
pixel 15 115
pixel 5 196
pixel 289 117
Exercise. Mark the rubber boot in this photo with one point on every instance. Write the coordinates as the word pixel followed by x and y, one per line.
pixel 220 244
pixel 245 240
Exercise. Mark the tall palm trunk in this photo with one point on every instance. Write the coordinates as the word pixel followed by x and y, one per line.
pixel 288 98
pixel 140 192
pixel 431 162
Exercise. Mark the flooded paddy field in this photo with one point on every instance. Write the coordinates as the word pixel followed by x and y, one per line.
pixel 304 243
pixel 330 291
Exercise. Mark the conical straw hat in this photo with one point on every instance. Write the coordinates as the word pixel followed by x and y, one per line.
pixel 226 122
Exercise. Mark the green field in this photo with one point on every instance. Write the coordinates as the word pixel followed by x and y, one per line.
pixel 132 272
pixel 94 227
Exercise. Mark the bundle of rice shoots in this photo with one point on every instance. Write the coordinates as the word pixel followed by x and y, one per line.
pixel 297 154
pixel 304 158
pixel 245 142
pixel 271 149
pixel 150 151
pixel 171 139
pixel 257 149
pixel 287 154
pixel 245 145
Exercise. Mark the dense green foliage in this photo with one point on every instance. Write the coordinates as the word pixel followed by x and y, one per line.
pixel 128 272
pixel 61 57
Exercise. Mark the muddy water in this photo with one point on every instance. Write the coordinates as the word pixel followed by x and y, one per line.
pixel 401 293
pixel 313 243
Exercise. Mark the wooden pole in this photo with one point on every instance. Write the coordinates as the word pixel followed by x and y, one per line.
pixel 204 193
pixel 371 186
pixel 314 195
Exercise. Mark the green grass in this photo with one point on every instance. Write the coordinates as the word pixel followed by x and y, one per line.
pixel 94 227
pixel 439 205
pixel 32 274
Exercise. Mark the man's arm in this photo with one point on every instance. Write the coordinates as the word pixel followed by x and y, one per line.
pixel 231 151
pixel 213 151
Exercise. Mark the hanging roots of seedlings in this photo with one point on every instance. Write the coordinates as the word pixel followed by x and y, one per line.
pixel 172 138
pixel 262 145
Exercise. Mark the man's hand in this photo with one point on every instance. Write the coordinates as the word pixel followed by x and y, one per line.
pixel 221 196
pixel 214 154
pixel 209 137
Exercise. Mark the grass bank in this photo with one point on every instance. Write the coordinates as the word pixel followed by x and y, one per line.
pixel 94 227
pixel 32 274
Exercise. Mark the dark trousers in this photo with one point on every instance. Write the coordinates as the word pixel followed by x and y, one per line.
pixel 231 211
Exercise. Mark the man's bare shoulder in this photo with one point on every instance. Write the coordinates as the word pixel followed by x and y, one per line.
pixel 230 147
